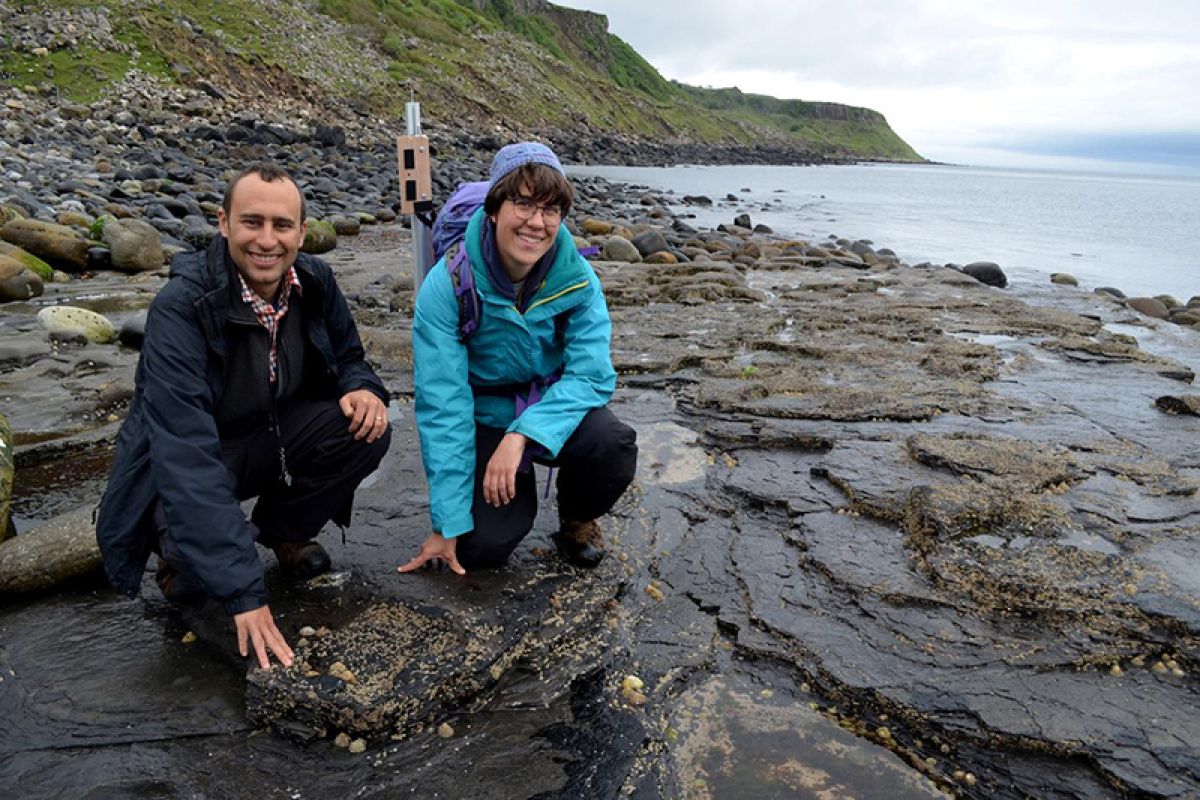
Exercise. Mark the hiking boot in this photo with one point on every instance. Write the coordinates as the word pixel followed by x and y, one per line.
pixel 177 587
pixel 302 560
pixel 580 543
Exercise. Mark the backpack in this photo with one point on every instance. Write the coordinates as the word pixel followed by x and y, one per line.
pixel 451 223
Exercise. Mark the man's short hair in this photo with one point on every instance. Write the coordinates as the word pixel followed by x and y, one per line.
pixel 545 185
pixel 269 173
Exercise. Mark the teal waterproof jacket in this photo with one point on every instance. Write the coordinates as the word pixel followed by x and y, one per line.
pixel 565 325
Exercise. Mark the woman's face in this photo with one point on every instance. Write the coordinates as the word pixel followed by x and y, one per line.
pixel 525 231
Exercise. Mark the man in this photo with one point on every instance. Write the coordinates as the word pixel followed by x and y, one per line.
pixel 532 383
pixel 251 383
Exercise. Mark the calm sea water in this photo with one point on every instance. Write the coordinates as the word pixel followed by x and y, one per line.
pixel 1140 234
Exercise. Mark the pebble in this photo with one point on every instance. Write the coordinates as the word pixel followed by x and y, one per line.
pixel 358 745
pixel 445 730
pixel 189 637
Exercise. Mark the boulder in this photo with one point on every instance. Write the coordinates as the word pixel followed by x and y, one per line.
pixel 135 245
pixel 1150 306
pixel 99 258
pixel 17 283
pixel 662 257
pixel 133 331
pixel 27 260
pixel 48 554
pixel 1168 301
pixel 1109 290
pixel 596 227
pixel 618 248
pixel 68 320
pixel 986 272
pixel 58 245
pixel 651 241
pixel 743 221
pixel 345 225
pixel 8 213
pixel 1179 404
pixel 73 219
pixel 197 232
pixel 1184 315
pixel 320 237
pixel 329 135
pixel 97 227
pixel 1063 279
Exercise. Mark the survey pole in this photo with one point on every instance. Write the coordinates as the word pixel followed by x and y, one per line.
pixel 416 190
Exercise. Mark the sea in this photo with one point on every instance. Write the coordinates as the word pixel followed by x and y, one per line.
pixel 1137 233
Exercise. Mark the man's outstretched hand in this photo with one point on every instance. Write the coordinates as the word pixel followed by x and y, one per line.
pixel 258 627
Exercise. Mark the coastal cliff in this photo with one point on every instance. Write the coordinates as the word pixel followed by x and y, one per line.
pixel 481 68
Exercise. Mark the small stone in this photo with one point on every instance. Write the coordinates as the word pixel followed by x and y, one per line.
pixel 969 779
pixel 445 731
pixel 1116 671
pixel 189 637
pixel 632 682
pixel 1159 667
pixel 883 733
pixel 308 631
pixel 1130 589
pixel 655 592
pixel 358 745
pixel 342 740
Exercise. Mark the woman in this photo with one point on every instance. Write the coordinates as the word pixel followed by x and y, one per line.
pixel 531 383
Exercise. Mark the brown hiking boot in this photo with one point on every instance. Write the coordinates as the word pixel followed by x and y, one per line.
pixel 581 543
pixel 177 587
pixel 302 560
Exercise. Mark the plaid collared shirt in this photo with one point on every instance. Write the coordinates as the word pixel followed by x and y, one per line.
pixel 268 314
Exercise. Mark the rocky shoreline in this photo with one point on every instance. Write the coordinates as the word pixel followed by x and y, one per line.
pixel 894 529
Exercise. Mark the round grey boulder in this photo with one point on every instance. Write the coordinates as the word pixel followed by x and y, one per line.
pixel 650 242
pixel 1150 306
pixel 987 272
pixel 618 248
pixel 17 282
pixel 135 245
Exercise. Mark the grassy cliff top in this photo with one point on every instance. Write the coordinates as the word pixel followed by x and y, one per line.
pixel 485 65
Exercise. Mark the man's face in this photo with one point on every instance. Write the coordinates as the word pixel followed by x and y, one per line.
pixel 264 230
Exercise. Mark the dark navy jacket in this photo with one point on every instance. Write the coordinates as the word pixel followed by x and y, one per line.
pixel 169 446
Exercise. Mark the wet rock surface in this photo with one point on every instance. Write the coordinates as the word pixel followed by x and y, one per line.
pixel 894 531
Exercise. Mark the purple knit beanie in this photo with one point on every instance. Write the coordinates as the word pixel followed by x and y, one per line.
pixel 514 155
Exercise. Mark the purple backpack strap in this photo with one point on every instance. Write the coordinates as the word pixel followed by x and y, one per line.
pixel 464 291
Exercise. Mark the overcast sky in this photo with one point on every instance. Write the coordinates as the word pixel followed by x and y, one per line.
pixel 1016 82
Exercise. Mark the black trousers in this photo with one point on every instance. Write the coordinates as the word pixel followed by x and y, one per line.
pixel 324 459
pixel 595 466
